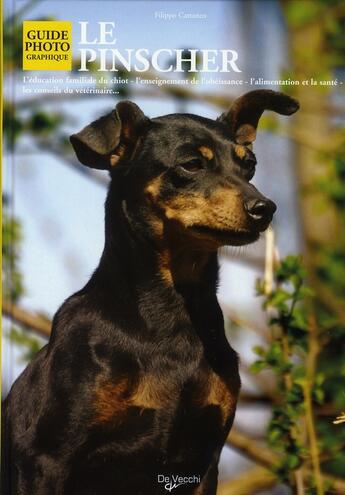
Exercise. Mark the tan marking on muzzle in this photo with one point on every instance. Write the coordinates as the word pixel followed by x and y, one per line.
pixel 222 210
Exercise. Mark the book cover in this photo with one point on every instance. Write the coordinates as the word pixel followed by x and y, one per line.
pixel 173 247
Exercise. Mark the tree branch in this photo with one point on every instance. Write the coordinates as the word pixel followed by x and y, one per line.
pixel 243 322
pixel 255 451
pixel 250 398
pixel 248 483
pixel 313 351
pixel 265 457
pixel 33 322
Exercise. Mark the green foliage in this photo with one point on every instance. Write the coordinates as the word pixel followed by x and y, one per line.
pixel 331 267
pixel 330 272
pixel 13 126
pixel 286 357
pixel 12 44
pixel 334 187
pixel 13 286
pixel 42 123
pixel 299 13
pixel 324 21
pixel 39 123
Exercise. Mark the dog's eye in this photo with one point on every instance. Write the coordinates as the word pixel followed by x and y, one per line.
pixel 192 166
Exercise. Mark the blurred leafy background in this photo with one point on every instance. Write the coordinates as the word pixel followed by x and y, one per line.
pixel 295 372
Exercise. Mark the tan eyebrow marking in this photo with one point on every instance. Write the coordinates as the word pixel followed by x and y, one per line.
pixel 153 187
pixel 206 152
pixel 114 159
pixel 240 151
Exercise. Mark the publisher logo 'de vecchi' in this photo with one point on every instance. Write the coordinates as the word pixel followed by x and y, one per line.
pixel 47 45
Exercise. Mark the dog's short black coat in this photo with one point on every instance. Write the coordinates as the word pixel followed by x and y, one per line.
pixel 138 379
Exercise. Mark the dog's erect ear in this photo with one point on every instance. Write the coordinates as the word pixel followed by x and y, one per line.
pixel 245 112
pixel 105 141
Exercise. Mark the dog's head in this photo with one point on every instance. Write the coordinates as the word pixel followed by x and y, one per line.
pixel 189 174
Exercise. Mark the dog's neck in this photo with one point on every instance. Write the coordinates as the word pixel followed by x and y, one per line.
pixel 170 279
pixel 179 266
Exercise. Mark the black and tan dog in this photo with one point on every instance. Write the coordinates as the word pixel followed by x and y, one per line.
pixel 136 391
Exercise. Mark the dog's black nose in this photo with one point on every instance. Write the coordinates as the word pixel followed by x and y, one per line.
pixel 261 209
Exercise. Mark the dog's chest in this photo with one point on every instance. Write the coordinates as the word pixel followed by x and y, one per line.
pixel 195 395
